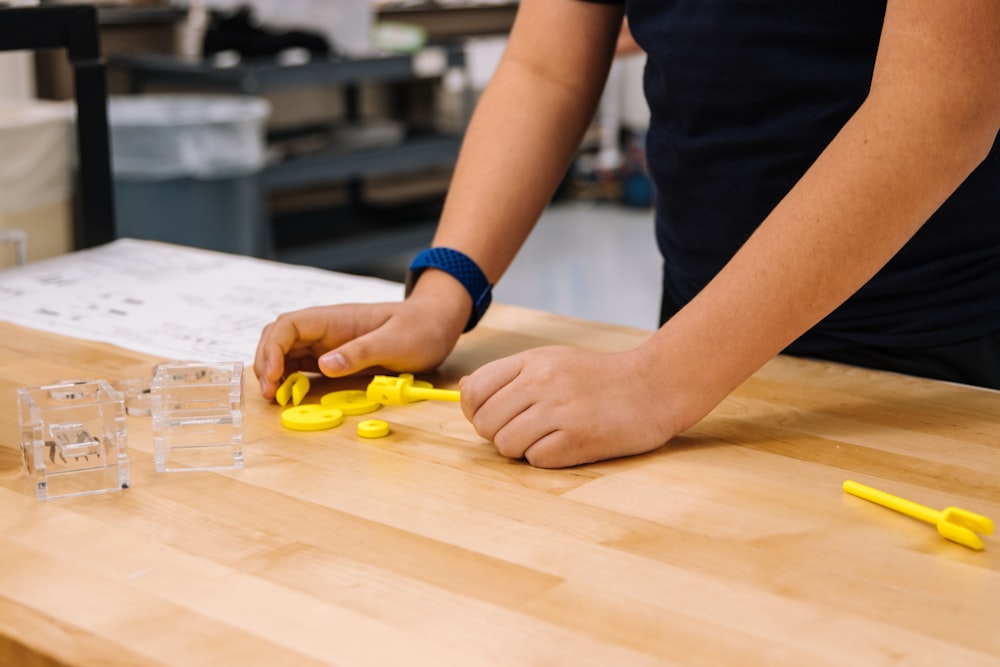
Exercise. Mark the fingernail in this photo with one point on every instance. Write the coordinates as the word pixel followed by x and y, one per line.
pixel 333 362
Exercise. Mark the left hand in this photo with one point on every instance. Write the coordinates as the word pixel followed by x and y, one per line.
pixel 562 406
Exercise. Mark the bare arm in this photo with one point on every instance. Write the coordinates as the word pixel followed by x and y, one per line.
pixel 523 134
pixel 526 129
pixel 930 118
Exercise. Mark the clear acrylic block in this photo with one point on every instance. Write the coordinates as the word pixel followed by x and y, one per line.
pixel 197 410
pixel 73 438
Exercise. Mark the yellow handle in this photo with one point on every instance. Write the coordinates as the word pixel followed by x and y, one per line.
pixel 390 390
pixel 433 394
pixel 884 499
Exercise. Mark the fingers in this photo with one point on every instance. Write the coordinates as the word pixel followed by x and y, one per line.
pixel 505 420
pixel 350 338
pixel 482 385
pixel 295 341
pixel 518 424
pixel 560 407
pixel 402 341
pixel 384 345
pixel 500 408
pixel 559 450
pixel 269 360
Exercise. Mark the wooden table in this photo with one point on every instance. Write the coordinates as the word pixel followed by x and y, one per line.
pixel 732 546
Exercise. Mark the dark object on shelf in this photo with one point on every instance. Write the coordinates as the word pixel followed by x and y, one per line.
pixel 74 28
pixel 241 33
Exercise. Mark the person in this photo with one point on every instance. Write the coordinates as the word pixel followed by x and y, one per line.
pixel 827 184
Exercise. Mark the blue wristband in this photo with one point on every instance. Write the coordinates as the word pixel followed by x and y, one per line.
pixel 460 267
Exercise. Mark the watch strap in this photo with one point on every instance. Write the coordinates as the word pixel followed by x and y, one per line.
pixel 460 267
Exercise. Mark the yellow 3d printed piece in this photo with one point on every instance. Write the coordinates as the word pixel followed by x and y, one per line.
pixel 953 523
pixel 373 428
pixel 294 388
pixel 350 402
pixel 311 417
pixel 390 390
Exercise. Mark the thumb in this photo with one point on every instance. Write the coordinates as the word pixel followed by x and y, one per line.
pixel 334 364
pixel 354 356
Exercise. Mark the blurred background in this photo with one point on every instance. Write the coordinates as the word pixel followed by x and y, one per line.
pixel 319 132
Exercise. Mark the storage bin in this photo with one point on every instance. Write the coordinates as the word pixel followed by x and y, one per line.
pixel 36 160
pixel 186 170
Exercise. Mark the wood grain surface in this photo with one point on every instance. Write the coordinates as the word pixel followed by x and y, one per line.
pixel 733 545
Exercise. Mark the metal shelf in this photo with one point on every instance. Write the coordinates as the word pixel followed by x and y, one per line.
pixel 256 76
pixel 417 151
pixel 315 169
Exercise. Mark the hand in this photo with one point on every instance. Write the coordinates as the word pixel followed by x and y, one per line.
pixel 348 338
pixel 562 406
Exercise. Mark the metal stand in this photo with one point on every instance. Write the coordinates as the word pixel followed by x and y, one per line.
pixel 75 28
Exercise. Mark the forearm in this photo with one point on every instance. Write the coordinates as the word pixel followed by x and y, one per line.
pixel 512 160
pixel 527 127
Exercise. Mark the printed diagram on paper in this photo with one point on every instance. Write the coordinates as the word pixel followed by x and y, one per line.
pixel 172 301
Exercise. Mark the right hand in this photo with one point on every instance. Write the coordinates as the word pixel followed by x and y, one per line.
pixel 409 336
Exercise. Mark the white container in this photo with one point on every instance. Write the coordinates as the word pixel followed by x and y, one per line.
pixel 17 75
pixel 197 136
pixel 37 151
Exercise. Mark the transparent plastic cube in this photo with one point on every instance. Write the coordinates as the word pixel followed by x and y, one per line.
pixel 197 410
pixel 73 438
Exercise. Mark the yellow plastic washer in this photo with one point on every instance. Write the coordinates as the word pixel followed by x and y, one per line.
pixel 373 428
pixel 311 417
pixel 350 402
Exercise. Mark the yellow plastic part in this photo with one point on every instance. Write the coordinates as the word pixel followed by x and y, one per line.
pixel 952 523
pixel 390 390
pixel 373 428
pixel 295 387
pixel 350 402
pixel 311 417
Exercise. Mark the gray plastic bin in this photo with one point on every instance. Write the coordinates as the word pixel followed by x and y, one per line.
pixel 186 170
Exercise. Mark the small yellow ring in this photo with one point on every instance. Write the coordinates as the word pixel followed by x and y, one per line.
pixel 373 428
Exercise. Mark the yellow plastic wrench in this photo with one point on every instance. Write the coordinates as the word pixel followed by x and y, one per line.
pixel 953 523
pixel 390 390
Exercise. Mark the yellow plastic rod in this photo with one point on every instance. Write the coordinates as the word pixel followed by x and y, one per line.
pixel 953 523
pixel 390 390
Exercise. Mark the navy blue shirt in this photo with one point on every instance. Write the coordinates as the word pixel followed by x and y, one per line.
pixel 744 95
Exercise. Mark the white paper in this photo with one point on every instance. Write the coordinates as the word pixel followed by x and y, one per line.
pixel 172 301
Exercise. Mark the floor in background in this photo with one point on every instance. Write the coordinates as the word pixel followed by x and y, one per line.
pixel 592 260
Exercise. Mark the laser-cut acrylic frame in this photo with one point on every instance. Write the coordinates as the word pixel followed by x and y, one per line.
pixel 74 439
pixel 197 410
